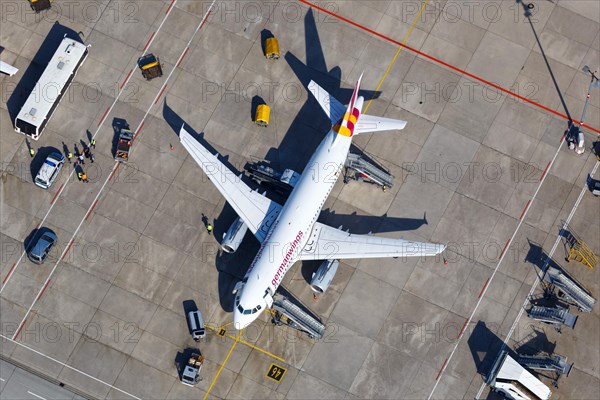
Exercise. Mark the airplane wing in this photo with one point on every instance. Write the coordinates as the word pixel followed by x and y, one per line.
pixel 257 211
pixel 332 107
pixel 327 243
pixel 370 123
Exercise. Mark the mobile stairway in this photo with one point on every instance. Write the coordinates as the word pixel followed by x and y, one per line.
pixel 296 318
pixel 556 316
pixel 359 168
pixel 568 290
pixel 554 363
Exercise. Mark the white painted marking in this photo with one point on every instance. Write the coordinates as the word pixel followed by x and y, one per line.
pixel 482 295
pixel 62 188
pixel 36 395
pixel 3 380
pixel 69 367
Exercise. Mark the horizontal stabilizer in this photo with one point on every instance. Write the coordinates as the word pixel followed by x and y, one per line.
pixel 332 107
pixel 7 69
pixel 371 123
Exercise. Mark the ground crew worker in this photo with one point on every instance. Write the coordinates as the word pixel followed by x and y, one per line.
pixel 79 175
pixel 31 152
pixel 93 143
pixel 84 177
pixel 86 152
pixel 92 157
pixel 80 158
pixel 69 156
pixel 209 228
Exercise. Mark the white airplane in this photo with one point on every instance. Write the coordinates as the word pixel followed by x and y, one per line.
pixel 7 69
pixel 290 232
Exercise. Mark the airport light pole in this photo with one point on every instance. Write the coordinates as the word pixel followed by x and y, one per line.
pixel 576 132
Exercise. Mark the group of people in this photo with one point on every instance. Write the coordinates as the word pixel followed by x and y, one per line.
pixel 80 159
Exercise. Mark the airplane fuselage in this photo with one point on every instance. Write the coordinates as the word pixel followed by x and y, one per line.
pixel 291 230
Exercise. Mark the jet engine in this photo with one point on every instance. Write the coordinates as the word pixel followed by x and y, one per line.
pixel 321 279
pixel 234 235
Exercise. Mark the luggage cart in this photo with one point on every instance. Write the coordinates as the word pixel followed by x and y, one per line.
pixel 263 113
pixel 272 48
pixel 150 66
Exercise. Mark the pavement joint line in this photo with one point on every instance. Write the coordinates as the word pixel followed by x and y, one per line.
pixel 544 267
pixel 445 64
pixel 391 64
pixel 486 286
pixel 114 167
pixel 60 191
pixel 69 367
pixel 237 339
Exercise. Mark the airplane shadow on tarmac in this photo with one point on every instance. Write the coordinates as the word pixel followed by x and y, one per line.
pixel 302 138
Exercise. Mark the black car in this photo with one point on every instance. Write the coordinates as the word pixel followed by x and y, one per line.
pixel 40 246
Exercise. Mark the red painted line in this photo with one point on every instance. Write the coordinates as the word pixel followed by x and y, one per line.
pixel 9 272
pixel 170 5
pixel 207 16
pixel 139 129
pixel 483 288
pixel 126 78
pixel 524 209
pixel 463 328
pixel 56 194
pixel 114 170
pixel 103 116
pixel 43 290
pixel 452 67
pixel 67 252
pixel 161 93
pixel 149 40
pixel 182 57
pixel 504 249
pixel 19 330
pixel 90 210
pixel 440 371
pixel 545 170
pixel 38 225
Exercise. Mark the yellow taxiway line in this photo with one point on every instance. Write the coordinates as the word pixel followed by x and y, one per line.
pixel 385 74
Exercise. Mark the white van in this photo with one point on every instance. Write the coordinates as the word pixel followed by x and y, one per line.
pixel 196 325
pixel 49 170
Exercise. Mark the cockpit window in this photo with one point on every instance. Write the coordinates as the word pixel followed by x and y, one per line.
pixel 248 311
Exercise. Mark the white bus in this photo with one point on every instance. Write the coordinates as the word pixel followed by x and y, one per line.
pixel 48 91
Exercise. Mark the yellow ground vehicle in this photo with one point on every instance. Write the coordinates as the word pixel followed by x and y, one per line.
pixel 150 66
pixel 272 48
pixel 263 113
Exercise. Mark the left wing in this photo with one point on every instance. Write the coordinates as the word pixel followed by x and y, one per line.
pixel 257 211
pixel 370 123
pixel 327 243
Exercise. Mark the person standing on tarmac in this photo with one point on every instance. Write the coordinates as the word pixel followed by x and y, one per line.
pixel 69 156
pixel 93 143
pixel 81 159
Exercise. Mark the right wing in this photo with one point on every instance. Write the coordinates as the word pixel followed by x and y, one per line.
pixel 332 107
pixel 328 243
pixel 257 211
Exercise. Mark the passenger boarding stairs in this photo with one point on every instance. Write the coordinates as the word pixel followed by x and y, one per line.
pixel 556 316
pixel 569 290
pixel 553 363
pixel 366 171
pixel 296 317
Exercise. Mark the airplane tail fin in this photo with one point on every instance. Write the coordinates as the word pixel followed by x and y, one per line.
pixel 349 121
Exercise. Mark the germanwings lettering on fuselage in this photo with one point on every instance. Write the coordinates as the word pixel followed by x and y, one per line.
pixel 286 259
